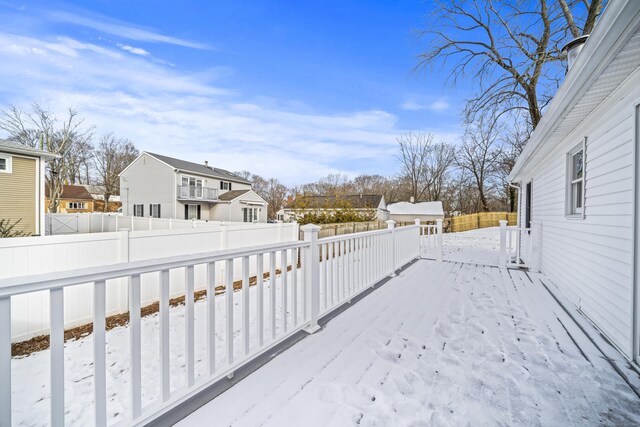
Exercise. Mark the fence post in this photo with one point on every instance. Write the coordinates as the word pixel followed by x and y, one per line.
pixel 391 225
pixel 132 227
pixel 439 239
pixel 503 243
pixel 123 285
pixel 117 216
pixel 171 223
pixel 312 275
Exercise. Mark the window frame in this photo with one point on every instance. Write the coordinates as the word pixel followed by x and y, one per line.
pixel 76 205
pixel 154 210
pixel 135 209
pixel 8 163
pixel 254 216
pixel 572 211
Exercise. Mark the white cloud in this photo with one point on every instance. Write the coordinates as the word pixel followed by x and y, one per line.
pixel 134 50
pixel 437 105
pixel 190 116
pixel 121 29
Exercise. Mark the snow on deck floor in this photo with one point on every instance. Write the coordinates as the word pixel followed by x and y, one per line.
pixel 480 246
pixel 441 344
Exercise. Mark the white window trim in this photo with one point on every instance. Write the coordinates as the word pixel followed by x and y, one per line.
pixel 570 211
pixel 255 214
pixel 9 159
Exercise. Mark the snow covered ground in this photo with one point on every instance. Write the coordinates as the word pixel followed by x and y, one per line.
pixel 480 246
pixel 452 343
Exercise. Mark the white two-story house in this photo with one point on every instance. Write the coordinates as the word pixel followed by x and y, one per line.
pixel 163 187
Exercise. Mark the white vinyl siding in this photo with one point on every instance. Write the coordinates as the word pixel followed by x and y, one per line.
pixel 590 260
pixel 149 181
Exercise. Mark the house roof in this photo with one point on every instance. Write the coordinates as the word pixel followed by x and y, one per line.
pixel 95 189
pixel 232 195
pixel 17 148
pixel 422 208
pixel 72 192
pixel 609 56
pixel 356 201
pixel 198 168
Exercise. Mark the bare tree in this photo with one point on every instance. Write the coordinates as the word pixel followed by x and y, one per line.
pixel 509 47
pixel 480 156
pixel 275 194
pixel 41 129
pixel 112 155
pixel 441 158
pixel 415 149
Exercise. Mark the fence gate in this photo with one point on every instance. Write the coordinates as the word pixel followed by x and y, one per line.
pixel 61 224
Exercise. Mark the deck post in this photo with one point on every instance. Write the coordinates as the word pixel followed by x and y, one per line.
pixel 417 222
pixel 312 275
pixel 439 239
pixel 391 225
pixel 503 243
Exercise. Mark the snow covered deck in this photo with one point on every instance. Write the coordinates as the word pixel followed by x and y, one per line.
pixel 447 343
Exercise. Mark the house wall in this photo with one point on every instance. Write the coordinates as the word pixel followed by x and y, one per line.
pixel 590 259
pixel 147 181
pixel 18 193
pixel 233 211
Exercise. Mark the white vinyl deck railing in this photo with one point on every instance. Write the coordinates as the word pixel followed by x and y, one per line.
pixel 516 246
pixel 330 273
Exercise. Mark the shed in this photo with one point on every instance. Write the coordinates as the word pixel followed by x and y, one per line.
pixel 408 212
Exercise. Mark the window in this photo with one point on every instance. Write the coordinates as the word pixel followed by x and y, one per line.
pixel 138 210
pixel 154 210
pixel 75 205
pixel 575 181
pixel 192 211
pixel 193 186
pixel 225 185
pixel 5 164
pixel 250 214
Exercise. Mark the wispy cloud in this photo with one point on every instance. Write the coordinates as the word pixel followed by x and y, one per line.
pixel 193 116
pixel 134 50
pixel 121 29
pixel 437 105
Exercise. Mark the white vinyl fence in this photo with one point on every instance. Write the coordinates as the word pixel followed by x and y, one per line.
pixel 333 271
pixel 81 223
pixel 25 256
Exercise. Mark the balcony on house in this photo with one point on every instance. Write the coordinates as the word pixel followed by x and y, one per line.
pixel 196 192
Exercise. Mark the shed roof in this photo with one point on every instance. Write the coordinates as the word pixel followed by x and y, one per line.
pixel 422 208
pixel 17 148
pixel 198 168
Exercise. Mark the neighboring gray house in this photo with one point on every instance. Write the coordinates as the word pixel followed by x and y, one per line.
pixel 408 211
pixel 579 176
pixel 163 187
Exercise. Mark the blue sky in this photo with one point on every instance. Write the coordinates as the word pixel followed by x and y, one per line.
pixel 292 90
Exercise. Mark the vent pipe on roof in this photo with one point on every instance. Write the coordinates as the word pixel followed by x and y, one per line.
pixel 573 48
